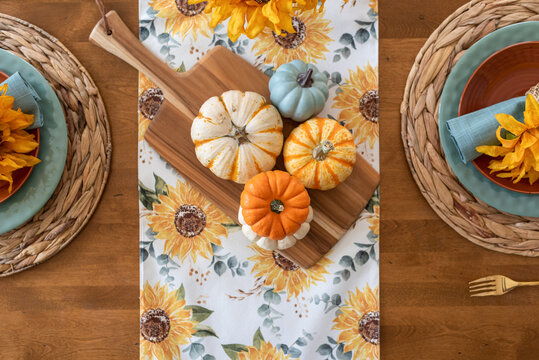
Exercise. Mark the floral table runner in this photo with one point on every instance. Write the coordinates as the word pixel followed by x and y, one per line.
pixel 206 292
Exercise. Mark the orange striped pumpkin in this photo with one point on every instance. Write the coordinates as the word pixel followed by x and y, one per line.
pixel 321 153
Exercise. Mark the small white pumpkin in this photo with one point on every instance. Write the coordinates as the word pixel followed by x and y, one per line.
pixel 270 244
pixel 237 135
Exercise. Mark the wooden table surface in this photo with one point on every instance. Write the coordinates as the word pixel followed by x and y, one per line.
pixel 426 312
pixel 83 303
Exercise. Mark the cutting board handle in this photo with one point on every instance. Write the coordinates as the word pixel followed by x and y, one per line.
pixel 122 43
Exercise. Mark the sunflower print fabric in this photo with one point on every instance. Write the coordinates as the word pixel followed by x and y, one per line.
pixel 188 223
pixel 206 292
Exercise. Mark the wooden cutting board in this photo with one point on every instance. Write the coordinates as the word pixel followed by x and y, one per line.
pixel 169 134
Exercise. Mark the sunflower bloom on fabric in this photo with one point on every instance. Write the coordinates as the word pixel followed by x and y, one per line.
pixel 358 102
pixel 251 17
pixel 183 18
pixel 266 352
pixel 14 141
pixel 519 146
pixel 359 323
pixel 283 275
pixel 165 323
pixel 308 41
pixel 187 222
pixel 150 98
pixel 374 221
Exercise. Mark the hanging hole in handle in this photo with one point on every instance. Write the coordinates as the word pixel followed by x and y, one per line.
pixel 106 25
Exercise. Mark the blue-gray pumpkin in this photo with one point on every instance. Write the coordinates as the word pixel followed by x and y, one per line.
pixel 298 90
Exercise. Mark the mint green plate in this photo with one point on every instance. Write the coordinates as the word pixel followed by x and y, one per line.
pixel 45 176
pixel 484 189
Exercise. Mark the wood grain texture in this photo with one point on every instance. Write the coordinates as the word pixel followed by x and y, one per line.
pixel 83 302
pixel 169 134
pixel 425 265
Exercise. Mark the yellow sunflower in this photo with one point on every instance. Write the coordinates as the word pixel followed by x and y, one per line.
pixel 359 322
pixel 183 18
pixel 15 142
pixel 374 221
pixel 308 43
pixel 188 222
pixel 266 352
pixel 282 274
pixel 165 323
pixel 358 101
pixel 150 98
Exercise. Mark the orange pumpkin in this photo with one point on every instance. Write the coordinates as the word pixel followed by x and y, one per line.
pixel 321 153
pixel 275 210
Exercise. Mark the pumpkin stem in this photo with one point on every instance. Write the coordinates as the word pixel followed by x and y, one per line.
pixel 305 79
pixel 321 151
pixel 277 206
pixel 240 134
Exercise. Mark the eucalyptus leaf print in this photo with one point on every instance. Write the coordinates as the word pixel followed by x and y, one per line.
pixel 350 42
pixel 222 297
pixel 330 302
pixel 220 38
pixel 147 25
pixel 223 261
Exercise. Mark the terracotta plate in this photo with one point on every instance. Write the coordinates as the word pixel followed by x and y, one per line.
pixel 506 74
pixel 21 175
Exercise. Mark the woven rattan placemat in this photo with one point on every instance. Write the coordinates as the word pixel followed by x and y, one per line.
pixel 470 217
pixel 88 156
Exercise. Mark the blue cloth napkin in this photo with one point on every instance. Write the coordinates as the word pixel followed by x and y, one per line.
pixel 26 98
pixel 479 128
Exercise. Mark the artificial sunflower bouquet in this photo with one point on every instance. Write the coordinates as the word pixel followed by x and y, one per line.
pixel 15 142
pixel 250 17
pixel 519 145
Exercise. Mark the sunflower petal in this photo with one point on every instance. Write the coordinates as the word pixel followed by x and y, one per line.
pixel 496 165
pixel 255 22
pixel 511 124
pixel 534 149
pixel 236 22
pixel 531 119
pixel 493 151
pixel 533 175
pixel 504 175
pixel 506 143
pixel 531 103
pixel 528 140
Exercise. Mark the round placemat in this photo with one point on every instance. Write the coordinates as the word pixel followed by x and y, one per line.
pixel 88 154
pixel 469 216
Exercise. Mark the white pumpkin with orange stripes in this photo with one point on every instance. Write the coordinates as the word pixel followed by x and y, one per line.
pixel 237 135
pixel 321 153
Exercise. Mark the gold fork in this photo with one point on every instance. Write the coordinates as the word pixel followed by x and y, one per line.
pixel 496 285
